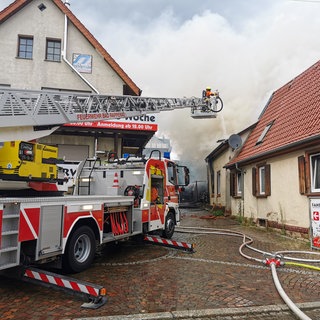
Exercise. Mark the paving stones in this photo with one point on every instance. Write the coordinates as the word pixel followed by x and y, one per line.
pixel 143 279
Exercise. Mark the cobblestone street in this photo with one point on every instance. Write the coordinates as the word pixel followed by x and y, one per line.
pixel 144 281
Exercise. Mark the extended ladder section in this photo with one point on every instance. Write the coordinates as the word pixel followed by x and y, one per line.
pixel 49 108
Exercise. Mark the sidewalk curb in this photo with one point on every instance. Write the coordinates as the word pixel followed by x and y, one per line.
pixel 207 312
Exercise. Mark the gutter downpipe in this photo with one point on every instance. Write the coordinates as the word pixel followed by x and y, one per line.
pixel 64 55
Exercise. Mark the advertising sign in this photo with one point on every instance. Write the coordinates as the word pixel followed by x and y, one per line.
pixel 82 62
pixel 69 172
pixel 315 222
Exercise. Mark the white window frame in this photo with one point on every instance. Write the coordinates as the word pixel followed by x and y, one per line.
pixel 315 171
pixel 239 183
pixel 262 180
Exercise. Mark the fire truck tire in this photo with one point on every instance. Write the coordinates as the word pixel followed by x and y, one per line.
pixel 80 250
pixel 169 226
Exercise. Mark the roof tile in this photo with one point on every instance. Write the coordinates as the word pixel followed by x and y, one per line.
pixel 295 110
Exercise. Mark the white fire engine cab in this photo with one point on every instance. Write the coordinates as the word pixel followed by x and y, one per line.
pixel 113 199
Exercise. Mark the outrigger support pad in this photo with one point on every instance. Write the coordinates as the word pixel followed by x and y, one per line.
pixel 95 302
pixel 95 294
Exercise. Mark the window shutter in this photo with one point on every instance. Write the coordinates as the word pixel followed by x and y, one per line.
pixel 302 174
pixel 212 182
pixel 232 184
pixel 254 181
pixel 268 179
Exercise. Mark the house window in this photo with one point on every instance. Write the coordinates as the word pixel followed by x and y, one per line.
pixel 309 173
pixel 261 181
pixel 218 183
pixel 53 50
pixel 236 184
pixel 315 172
pixel 25 47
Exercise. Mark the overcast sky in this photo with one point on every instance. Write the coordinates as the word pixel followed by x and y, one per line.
pixel 175 48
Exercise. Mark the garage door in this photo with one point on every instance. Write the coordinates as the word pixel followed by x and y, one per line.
pixel 72 152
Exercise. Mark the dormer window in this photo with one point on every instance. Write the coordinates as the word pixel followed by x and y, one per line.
pixel 264 132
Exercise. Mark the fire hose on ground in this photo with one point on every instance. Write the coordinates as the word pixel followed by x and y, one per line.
pixel 275 260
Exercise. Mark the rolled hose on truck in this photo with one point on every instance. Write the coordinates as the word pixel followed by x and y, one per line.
pixel 275 260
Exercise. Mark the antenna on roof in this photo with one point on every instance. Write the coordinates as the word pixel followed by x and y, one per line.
pixel 235 141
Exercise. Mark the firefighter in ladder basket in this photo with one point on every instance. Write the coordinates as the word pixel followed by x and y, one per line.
pixel 211 99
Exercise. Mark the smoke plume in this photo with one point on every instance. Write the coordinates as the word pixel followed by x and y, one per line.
pixel 245 65
pixel 244 51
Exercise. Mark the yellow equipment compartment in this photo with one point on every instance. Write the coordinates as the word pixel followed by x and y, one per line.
pixel 21 160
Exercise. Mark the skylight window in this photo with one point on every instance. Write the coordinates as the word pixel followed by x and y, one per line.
pixel 264 132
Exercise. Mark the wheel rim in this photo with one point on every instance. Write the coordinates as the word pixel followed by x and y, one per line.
pixel 82 248
pixel 170 225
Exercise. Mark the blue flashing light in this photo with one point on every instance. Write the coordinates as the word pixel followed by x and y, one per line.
pixel 166 154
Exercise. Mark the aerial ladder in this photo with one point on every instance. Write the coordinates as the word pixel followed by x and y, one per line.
pixel 34 114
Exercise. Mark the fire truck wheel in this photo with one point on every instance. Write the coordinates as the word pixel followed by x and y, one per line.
pixel 80 250
pixel 169 226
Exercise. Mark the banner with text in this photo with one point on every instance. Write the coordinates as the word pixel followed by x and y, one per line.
pixel 137 123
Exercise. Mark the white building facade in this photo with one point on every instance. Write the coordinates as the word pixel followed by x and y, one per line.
pixel 45 47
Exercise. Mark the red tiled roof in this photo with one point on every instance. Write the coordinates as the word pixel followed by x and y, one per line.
pixel 295 112
pixel 19 4
pixel 12 8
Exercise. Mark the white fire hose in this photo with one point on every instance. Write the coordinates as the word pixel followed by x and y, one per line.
pixel 273 262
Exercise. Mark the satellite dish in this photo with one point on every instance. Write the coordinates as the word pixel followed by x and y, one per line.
pixel 235 141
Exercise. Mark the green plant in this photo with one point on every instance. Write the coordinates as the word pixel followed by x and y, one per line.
pixel 239 218
pixel 283 229
pixel 245 221
pixel 218 212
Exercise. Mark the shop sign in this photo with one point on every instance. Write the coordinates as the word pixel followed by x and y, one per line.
pixel 315 222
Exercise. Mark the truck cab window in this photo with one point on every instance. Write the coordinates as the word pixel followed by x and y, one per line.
pixel 171 173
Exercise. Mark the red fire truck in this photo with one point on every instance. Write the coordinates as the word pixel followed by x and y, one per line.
pixel 113 199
